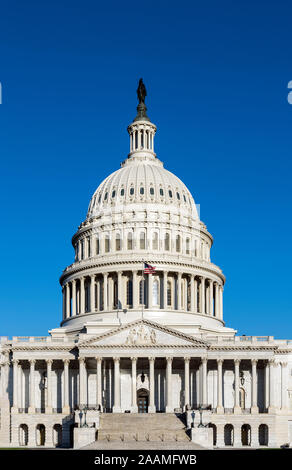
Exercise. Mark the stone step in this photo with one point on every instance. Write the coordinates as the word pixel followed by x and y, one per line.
pixel 153 436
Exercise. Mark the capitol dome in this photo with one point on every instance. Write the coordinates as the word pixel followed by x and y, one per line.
pixel 142 213
pixel 139 181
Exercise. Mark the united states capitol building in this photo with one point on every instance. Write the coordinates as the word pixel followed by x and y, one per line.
pixel 144 352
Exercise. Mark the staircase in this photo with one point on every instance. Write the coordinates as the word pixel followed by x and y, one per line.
pixel 142 427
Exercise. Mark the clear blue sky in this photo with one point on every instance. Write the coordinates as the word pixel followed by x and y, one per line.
pixel 216 75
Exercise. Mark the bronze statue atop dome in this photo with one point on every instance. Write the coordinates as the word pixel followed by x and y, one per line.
pixel 141 91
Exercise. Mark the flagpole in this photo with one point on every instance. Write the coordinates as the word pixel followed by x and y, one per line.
pixel 143 282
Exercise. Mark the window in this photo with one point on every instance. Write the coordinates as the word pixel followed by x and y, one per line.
pixel 142 292
pixel 161 192
pixel 130 241
pixel 185 199
pixel 169 293
pixel 178 196
pixel 142 241
pixel 97 245
pixel 129 293
pixel 167 242
pixel 131 191
pixel 82 249
pixel 141 190
pixel 114 193
pixel 118 242
pixel 170 193
pixel 106 244
pixel 88 248
pixel 105 196
pixel 122 192
pixel 155 241
pixel 99 199
pixel 152 191
pixel 177 243
pixel 187 246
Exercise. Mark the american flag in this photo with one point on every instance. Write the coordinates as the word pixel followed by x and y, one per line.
pixel 148 269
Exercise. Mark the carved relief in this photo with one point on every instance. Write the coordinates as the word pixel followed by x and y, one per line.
pixel 141 335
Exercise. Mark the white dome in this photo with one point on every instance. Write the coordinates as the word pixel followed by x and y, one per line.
pixel 140 182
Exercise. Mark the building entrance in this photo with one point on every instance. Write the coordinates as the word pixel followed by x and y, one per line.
pixel 142 401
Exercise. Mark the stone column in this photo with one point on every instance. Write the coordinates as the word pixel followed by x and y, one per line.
pixel 64 302
pixel 151 407
pixel 284 387
pixel 220 409
pixel 74 297
pixel 165 289
pixel 254 397
pixel 31 408
pixel 237 409
pixel 49 408
pixel 105 294
pixel 134 385
pixel 98 383
pixel 92 293
pixel 216 306
pixel 187 382
pixel 66 407
pixel 202 294
pixel 150 290
pixel 169 407
pixel 68 300
pixel 135 290
pixel 192 289
pixel 210 297
pixel 82 295
pixel 120 292
pixel 179 291
pixel 15 363
pixel 82 382
pixel 272 407
pixel 267 384
pixel 195 295
pixel 221 302
pixel 204 379
pixel 117 386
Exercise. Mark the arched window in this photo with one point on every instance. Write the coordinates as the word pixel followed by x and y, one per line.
pixel 141 190
pixel 228 435
pixel 130 241
pixel 23 435
pixel 177 243
pixel 167 242
pixel 245 435
pixel 169 293
pixel 152 191
pixel 131 191
pixel 155 241
pixel 118 242
pixel 142 241
pixel 155 293
pixel 40 435
pixel 263 435
pixel 88 248
pixel 57 435
pixel 187 246
pixel 161 192
pixel 97 245
pixel 214 428
pixel 82 249
pixel 129 293
pixel 106 243
pixel 122 192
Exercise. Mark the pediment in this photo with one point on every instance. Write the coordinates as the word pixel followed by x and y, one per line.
pixel 143 333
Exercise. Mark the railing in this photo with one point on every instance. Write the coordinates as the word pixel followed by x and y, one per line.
pixel 40 339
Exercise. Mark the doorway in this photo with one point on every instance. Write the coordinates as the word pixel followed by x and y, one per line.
pixel 142 400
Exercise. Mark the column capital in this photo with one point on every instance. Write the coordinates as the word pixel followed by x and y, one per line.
pixel 15 362
pixel 134 359
pixel 49 361
pixel 237 361
pixel 254 362
pixel 187 358
pixel 66 361
pixel 32 361
pixel 151 358
pixel 169 358
pixel 220 361
pixel 272 362
pixel 98 358
pixel 81 360
pixel 105 274
pixel 283 363
pixel 204 360
pixel 116 359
